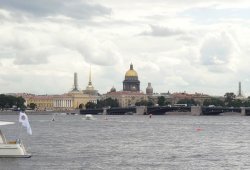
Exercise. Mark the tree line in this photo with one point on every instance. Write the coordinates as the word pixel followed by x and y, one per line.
pixel 109 102
pixel 11 102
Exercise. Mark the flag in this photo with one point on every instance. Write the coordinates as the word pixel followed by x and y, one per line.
pixel 23 118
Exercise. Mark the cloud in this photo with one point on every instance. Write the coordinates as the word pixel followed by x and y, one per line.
pixel 45 8
pixel 52 39
pixel 34 43
pixel 217 49
pixel 160 31
pixel 215 13
pixel 31 57
pixel 99 53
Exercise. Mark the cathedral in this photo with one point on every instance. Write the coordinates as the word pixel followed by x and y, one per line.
pixel 131 92
pixel 131 82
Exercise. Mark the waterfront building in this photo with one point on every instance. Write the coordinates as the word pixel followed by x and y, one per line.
pixel 43 102
pixel 70 101
pixel 63 102
pixel 126 98
pixel 197 97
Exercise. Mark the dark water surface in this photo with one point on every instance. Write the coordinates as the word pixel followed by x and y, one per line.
pixel 132 142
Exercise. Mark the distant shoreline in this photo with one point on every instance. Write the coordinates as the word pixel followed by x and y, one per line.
pixel 52 112
pixel 30 112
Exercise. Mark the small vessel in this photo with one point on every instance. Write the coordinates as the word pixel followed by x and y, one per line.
pixel 89 117
pixel 11 149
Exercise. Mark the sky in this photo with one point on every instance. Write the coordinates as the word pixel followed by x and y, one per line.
pixel 177 45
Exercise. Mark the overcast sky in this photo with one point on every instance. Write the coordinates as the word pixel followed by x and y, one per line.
pixel 177 45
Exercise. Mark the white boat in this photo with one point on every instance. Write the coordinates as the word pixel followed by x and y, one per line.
pixel 89 117
pixel 12 149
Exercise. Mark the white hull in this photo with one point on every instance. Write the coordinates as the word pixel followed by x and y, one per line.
pixel 89 117
pixel 13 150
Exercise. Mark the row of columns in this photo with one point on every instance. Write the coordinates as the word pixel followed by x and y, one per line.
pixel 63 103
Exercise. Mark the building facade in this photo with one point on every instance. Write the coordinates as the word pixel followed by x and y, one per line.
pixel 43 102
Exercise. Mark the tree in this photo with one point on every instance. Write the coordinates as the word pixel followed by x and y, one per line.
pixel 7 101
pixel 189 102
pixel 20 102
pixel 161 101
pixel 150 103
pixel 236 103
pixel 109 102
pixel 213 101
pixel 90 105
pixel 142 103
pixel 32 106
pixel 247 103
pixel 229 97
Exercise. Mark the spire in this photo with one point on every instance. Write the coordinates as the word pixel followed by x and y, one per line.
pixel 90 83
pixel 90 88
pixel 131 66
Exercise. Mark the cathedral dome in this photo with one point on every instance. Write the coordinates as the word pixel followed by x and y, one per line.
pixel 131 82
pixel 113 89
pixel 131 72
pixel 149 89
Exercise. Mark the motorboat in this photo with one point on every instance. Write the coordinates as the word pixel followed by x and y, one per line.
pixel 11 149
pixel 89 117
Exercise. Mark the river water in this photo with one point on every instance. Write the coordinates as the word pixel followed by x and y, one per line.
pixel 132 142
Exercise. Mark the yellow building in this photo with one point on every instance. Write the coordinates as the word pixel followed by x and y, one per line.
pixel 126 98
pixel 43 102
pixel 70 101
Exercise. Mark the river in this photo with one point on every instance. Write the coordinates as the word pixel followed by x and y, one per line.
pixel 131 142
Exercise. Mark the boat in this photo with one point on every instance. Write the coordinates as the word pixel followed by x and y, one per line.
pixel 89 117
pixel 11 149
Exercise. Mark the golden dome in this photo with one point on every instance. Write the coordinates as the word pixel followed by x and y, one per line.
pixel 131 72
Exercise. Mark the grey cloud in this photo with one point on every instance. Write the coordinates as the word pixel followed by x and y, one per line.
pixel 31 57
pixel 216 50
pixel 102 54
pixel 44 8
pixel 159 31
